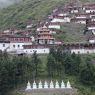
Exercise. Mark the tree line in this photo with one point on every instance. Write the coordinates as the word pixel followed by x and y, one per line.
pixel 16 70
pixel 61 63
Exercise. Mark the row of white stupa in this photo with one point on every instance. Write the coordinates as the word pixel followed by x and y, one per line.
pixel 50 86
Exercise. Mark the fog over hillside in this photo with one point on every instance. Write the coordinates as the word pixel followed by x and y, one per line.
pixel 5 3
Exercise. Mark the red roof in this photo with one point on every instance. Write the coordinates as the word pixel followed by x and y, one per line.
pixel 35 46
pixel 89 5
pixel 78 19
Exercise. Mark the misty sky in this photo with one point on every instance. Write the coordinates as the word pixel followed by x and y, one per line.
pixel 5 3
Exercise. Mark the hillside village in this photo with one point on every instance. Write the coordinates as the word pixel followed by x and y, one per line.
pixel 26 42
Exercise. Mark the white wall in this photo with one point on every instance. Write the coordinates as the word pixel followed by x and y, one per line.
pixel 57 20
pixel 48 42
pixel 65 19
pixel 38 51
pixel 17 46
pixel 4 46
pixel 74 11
pixel 83 51
pixel 93 19
pixel 91 41
pixel 90 11
pixel 81 22
pixel 54 26
pixel 81 17
pixel 91 28
pixel 93 31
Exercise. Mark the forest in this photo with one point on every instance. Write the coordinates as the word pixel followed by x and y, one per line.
pixel 17 70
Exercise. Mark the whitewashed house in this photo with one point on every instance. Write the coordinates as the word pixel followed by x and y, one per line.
pixel 17 42
pixel 61 18
pixel 93 18
pixel 81 15
pixel 74 10
pixel 81 48
pixel 92 39
pixel 90 10
pixel 54 25
pixel 79 20
pixel 29 26
pixel 12 43
pixel 91 27
pixel 4 45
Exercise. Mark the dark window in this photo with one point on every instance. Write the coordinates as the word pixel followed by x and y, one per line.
pixel 87 52
pixel 18 45
pixel 3 45
pixel 14 46
pixel 78 52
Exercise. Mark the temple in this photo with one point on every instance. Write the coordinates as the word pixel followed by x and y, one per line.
pixel 44 36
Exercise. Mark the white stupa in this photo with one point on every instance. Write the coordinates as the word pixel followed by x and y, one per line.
pixel 40 86
pixel 62 84
pixel 34 85
pixel 28 86
pixel 68 85
pixel 45 84
pixel 51 85
pixel 57 85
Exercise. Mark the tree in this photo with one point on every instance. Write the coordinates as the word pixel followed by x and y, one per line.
pixel 72 64
pixel 51 65
pixel 53 52
pixel 4 83
pixel 87 73
pixel 87 76
pixel 36 63
pixel 59 55
pixel 76 64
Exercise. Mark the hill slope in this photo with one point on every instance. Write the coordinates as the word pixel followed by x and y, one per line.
pixel 18 14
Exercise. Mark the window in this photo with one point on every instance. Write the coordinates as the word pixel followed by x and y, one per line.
pixel 14 46
pixel 87 52
pixel 18 46
pixel 78 52
pixel 3 45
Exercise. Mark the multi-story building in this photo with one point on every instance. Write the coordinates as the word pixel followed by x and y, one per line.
pixel 45 36
pixel 14 42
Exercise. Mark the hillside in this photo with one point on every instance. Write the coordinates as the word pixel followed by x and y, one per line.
pixel 28 11
pixel 72 34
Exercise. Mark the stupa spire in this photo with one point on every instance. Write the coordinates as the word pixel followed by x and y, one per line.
pixel 28 86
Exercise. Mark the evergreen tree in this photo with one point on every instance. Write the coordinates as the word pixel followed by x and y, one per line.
pixel 87 76
pixel 51 65
pixel 35 61
pixel 68 64
pixel 87 73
